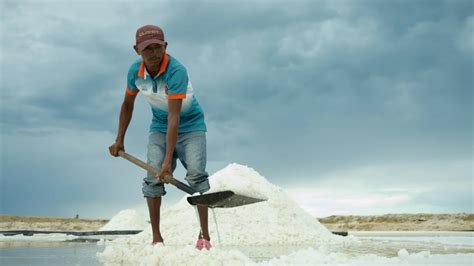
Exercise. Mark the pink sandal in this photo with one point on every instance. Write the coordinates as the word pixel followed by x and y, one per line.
pixel 203 243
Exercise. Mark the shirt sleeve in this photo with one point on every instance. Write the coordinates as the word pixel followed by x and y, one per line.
pixel 178 83
pixel 131 88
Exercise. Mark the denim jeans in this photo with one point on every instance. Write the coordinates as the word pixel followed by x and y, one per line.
pixel 190 149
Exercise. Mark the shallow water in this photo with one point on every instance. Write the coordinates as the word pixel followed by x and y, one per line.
pixel 49 253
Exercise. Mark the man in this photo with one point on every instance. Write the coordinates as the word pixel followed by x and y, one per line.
pixel 177 130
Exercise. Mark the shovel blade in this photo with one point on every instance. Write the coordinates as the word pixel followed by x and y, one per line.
pixel 222 199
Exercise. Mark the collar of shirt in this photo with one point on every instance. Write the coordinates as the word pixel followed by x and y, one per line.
pixel 143 73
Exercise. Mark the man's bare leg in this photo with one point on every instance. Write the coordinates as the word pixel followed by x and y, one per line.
pixel 203 211
pixel 154 205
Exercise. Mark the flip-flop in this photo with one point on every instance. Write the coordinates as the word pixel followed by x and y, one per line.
pixel 203 243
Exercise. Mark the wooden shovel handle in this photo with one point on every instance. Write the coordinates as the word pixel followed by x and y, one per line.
pixel 155 171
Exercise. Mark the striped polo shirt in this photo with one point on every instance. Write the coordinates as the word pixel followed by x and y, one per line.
pixel 172 82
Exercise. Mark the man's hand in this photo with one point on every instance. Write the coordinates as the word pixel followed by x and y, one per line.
pixel 164 173
pixel 115 148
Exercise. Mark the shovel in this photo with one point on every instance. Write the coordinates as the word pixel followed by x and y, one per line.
pixel 221 199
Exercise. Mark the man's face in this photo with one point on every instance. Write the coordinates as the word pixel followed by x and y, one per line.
pixel 153 54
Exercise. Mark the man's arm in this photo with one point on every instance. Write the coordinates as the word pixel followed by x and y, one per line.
pixel 125 117
pixel 174 110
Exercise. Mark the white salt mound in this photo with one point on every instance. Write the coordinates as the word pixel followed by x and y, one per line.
pixel 274 222
pixel 241 180
pixel 187 255
pixel 126 220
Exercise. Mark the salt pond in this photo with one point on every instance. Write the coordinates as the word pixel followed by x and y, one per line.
pixel 48 253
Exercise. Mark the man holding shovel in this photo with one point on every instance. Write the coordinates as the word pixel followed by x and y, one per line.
pixel 177 130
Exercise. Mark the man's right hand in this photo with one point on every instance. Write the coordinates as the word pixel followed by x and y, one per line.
pixel 115 148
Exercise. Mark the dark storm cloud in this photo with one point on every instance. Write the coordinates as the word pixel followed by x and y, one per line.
pixel 295 91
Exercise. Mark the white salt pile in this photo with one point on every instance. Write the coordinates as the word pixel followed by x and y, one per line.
pixel 242 180
pixel 275 222
pixel 187 255
pixel 126 220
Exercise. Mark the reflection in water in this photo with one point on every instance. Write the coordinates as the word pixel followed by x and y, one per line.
pixel 49 253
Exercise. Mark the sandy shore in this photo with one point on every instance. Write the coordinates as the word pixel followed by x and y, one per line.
pixel 401 222
pixel 8 222
pixel 388 222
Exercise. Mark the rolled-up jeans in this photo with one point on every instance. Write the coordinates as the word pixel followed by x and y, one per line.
pixel 190 149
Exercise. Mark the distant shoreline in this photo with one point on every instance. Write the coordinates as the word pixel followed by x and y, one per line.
pixel 400 222
pixel 11 222
pixel 387 222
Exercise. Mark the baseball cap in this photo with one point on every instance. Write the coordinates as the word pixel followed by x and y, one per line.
pixel 147 35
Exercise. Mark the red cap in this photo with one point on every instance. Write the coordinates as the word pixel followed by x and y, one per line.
pixel 147 35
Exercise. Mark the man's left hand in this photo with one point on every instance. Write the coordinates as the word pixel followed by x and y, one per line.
pixel 164 173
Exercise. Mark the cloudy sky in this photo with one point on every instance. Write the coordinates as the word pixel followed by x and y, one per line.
pixel 353 107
